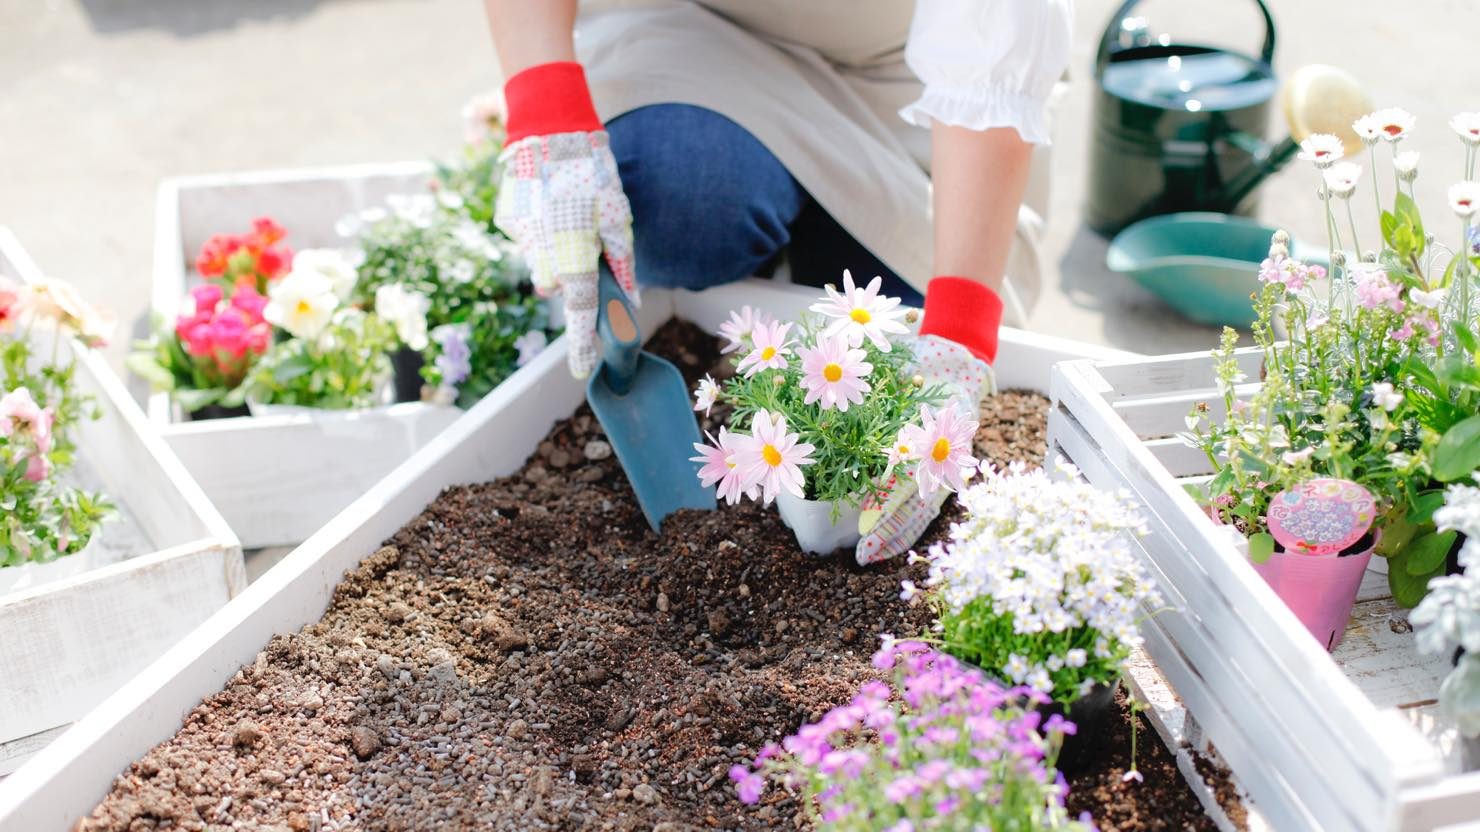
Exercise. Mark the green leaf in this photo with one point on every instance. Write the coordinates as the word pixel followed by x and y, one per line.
pixel 1396 536
pixel 291 368
pixel 1427 553
pixel 1261 547
pixel 193 400
pixel 1458 454
pixel 1408 589
pixel 1389 225
pixel 1466 338
pixel 147 367
pixel 1408 215
pixel 1424 506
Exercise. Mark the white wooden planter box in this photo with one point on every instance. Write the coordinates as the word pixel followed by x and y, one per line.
pixel 71 635
pixel 278 478
pixel 1344 741
pixel 492 439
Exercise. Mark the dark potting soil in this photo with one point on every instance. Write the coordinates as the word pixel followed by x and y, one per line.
pixel 526 654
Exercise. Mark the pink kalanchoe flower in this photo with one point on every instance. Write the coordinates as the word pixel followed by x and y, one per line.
pixel 38 467
pixel 771 458
pixel 250 302
pixel 10 305
pixel 1374 289
pixel 721 465
pixel 943 440
pixel 833 373
pixel 20 412
pixel 706 394
pixel 862 313
pixel 739 326
pixel 769 348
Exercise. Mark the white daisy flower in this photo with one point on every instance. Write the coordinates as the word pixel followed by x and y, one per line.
pixel 1467 125
pixel 1464 198
pixel 1406 164
pixel 1321 149
pixel 1341 179
pixel 1394 122
pixel 1367 129
pixel 862 313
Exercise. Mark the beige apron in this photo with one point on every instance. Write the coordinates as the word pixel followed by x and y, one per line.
pixel 820 84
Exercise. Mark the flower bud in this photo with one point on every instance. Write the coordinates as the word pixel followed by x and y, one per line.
pixel 1338 258
pixel 911 316
pixel 917 380
pixel 778 379
pixel 1280 238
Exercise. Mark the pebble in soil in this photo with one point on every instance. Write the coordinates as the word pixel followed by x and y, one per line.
pixel 526 654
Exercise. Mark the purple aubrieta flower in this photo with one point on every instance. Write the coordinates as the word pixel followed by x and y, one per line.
pixel 453 357
pixel 749 784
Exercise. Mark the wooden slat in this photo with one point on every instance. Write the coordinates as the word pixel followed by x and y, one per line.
pixel 1248 691
pixel 1448 806
pixel 1154 376
pixel 1180 459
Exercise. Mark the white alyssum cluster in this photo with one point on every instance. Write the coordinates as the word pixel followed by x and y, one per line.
pixel 1054 553
pixel 1449 616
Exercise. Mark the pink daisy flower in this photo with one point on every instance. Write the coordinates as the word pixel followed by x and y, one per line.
pixel 771 458
pixel 833 373
pixel 862 313
pixel 739 325
pixel 721 466
pixel 769 348
pixel 942 442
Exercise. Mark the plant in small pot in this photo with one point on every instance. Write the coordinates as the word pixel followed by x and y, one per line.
pixel 485 318
pixel 940 747
pixel 821 414
pixel 202 357
pixel 330 355
pixel 45 516
pixel 1039 585
pixel 1448 619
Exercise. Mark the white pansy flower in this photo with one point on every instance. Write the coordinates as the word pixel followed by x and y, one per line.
pixel 335 266
pixel 406 311
pixel 302 303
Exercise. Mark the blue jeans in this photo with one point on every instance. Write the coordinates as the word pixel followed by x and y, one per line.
pixel 710 205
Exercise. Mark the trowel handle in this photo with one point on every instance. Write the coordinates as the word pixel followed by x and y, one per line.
pixel 621 340
pixel 1115 27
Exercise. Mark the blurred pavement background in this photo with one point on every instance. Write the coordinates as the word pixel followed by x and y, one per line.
pixel 100 99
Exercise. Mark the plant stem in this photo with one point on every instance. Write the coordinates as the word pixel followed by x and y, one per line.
pixel 1376 195
pixel 1351 221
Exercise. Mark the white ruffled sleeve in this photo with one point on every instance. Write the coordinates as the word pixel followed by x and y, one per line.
pixel 988 63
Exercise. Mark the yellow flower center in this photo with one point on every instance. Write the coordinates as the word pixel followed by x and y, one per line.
pixel 304 307
pixel 860 316
pixel 941 450
pixel 771 455
pixel 768 353
pixel 832 372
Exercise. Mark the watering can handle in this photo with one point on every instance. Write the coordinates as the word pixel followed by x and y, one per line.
pixel 1107 41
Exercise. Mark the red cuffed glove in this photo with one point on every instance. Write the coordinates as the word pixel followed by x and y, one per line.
pixel 965 311
pixel 561 199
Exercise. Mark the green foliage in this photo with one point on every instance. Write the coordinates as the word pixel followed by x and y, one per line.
pixel 41 520
pixel 348 366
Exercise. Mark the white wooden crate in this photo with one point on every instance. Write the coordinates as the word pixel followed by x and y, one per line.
pixel 67 643
pixel 492 439
pixel 1321 741
pixel 278 478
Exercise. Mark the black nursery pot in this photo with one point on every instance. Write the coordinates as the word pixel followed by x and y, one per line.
pixel 1091 715
pixel 216 411
pixel 406 365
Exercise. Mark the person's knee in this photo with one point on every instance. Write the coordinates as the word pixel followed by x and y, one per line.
pixel 709 203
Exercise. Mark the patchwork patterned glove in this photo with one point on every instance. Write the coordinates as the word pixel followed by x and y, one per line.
pixel 561 199
pixel 958 341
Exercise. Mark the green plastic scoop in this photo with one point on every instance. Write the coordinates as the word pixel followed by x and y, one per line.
pixel 1204 265
pixel 643 404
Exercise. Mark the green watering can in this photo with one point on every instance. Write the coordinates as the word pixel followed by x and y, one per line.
pixel 1204 265
pixel 1180 127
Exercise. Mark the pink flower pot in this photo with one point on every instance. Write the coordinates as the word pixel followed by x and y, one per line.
pixel 1319 589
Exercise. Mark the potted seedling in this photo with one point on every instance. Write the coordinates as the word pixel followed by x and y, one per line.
pixel 1039 585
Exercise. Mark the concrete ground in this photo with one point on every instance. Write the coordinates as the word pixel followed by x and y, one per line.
pixel 99 99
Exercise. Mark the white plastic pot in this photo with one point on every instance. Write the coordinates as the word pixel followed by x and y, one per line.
pixel 812 522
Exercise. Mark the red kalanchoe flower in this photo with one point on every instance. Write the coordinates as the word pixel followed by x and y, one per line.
pixel 273 263
pixel 215 254
pixel 266 233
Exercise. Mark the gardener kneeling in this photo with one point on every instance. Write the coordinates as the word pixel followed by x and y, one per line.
pixel 736 130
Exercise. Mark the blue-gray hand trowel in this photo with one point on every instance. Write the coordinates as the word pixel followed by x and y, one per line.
pixel 643 405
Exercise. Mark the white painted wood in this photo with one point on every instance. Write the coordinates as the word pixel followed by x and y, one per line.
pixel 492 439
pixel 1321 741
pixel 279 478
pixel 70 643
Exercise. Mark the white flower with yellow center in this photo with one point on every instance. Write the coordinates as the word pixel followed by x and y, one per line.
pixel 302 304
pixel 332 263
pixel 862 313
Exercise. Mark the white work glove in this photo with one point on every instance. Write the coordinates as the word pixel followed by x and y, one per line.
pixel 891 526
pixel 561 201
